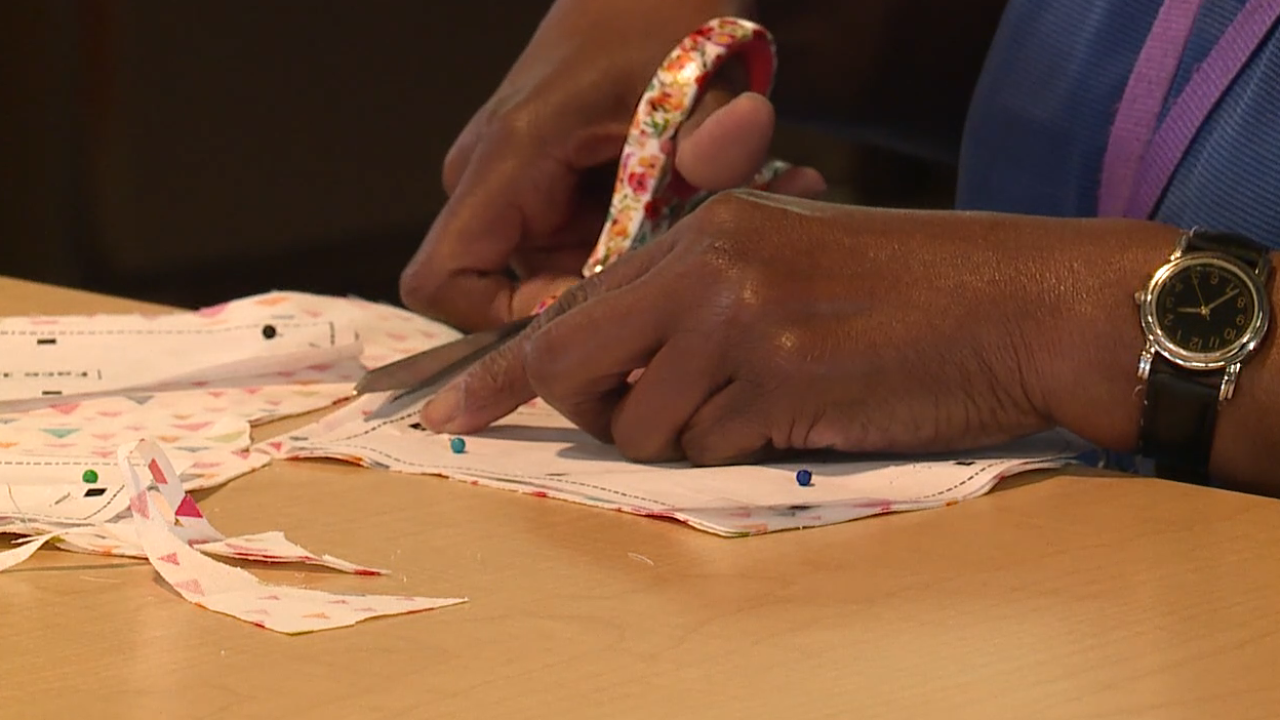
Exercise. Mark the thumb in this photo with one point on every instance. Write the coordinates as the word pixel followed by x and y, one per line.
pixel 727 83
pixel 725 140
pixel 729 146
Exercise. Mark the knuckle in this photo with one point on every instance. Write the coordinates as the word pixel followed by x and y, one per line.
pixel 791 349
pixel 698 451
pixel 419 288
pixel 455 163
pixel 502 127
pixel 424 289
pixel 734 293
pixel 497 371
pixel 579 293
pixel 723 208
pixel 573 296
pixel 543 360
pixel 518 124
pixel 713 234
pixel 566 300
pixel 694 441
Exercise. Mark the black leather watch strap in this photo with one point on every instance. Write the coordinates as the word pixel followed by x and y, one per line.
pixel 1178 418
pixel 1239 247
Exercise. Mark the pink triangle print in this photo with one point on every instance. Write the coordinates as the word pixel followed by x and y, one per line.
pixel 192 586
pixel 156 473
pixel 187 508
pixel 139 505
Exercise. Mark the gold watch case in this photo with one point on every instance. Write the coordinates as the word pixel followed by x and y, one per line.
pixel 1228 358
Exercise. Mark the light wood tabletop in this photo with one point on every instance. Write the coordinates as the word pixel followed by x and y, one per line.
pixel 1052 597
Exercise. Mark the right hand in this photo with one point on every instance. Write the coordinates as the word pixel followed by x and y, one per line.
pixel 529 178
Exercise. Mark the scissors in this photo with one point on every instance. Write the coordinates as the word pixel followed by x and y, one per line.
pixel 649 195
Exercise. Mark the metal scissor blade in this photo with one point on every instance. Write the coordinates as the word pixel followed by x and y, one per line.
pixel 432 366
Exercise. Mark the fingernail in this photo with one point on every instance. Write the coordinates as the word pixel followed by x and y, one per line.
pixel 441 411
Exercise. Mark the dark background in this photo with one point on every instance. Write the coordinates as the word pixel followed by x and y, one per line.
pixel 194 151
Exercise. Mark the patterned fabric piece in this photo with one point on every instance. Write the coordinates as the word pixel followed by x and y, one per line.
pixel 536 451
pixel 167 528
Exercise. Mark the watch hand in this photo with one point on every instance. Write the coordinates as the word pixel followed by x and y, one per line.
pixel 1222 299
pixel 1204 308
pixel 1194 310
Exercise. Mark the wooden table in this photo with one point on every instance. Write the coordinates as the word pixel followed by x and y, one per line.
pixel 1054 597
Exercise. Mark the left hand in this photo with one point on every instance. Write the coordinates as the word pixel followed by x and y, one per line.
pixel 766 323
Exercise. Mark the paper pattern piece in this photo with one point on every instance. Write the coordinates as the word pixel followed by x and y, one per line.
pixel 172 533
pixel 203 424
pixel 71 356
pixel 537 451
pixel 362 335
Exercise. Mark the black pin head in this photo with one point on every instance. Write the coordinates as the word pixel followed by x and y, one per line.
pixel 268 331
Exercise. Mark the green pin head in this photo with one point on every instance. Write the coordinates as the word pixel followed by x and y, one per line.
pixel 90 476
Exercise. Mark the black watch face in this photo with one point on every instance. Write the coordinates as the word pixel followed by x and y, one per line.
pixel 1206 308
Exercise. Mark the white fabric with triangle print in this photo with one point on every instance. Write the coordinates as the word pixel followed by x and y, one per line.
pixel 166 527
pixel 59 476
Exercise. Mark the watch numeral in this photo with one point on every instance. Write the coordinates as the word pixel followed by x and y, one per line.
pixel 1214 343
pixel 1168 318
pixel 1241 302
pixel 1194 344
pixel 1214 277
pixel 1229 334
pixel 1241 320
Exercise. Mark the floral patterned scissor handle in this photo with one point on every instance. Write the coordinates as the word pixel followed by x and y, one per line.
pixel 648 194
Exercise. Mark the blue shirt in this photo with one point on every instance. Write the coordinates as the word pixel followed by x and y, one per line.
pixel 1041 116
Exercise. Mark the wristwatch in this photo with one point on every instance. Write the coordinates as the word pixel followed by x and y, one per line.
pixel 1204 314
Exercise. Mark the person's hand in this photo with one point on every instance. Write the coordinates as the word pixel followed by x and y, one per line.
pixel 763 323
pixel 529 178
